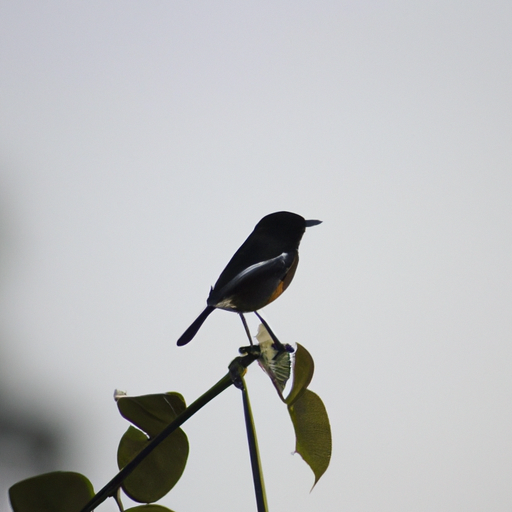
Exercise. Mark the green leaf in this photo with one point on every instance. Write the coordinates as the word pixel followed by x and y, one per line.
pixel 303 370
pixel 312 432
pixel 151 413
pixel 149 508
pixel 59 491
pixel 161 470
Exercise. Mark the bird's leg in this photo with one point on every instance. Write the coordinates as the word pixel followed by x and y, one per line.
pixel 252 350
pixel 277 344
pixel 246 327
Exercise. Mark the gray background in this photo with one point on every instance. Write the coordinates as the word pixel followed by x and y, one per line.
pixel 140 142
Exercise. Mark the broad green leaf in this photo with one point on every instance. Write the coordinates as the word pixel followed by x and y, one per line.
pixel 149 508
pixel 159 472
pixel 312 432
pixel 59 491
pixel 303 370
pixel 151 413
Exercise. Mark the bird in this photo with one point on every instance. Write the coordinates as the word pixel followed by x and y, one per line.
pixel 259 272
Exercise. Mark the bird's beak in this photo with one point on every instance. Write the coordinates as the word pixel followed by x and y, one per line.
pixel 310 223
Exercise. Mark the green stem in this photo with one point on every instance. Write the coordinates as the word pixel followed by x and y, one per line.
pixel 257 475
pixel 237 366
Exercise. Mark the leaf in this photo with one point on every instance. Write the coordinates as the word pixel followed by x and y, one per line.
pixel 303 370
pixel 159 472
pixel 151 413
pixel 149 508
pixel 276 363
pixel 312 432
pixel 59 491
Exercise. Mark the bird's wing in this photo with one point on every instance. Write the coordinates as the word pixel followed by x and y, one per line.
pixel 273 266
pixel 273 269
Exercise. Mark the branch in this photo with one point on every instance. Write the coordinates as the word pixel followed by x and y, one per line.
pixel 237 367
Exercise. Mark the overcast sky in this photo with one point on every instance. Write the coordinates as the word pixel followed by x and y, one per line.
pixel 140 142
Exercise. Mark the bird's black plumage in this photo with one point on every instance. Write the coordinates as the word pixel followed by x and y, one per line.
pixel 259 271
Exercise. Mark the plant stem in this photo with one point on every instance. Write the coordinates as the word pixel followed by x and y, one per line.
pixel 237 366
pixel 257 475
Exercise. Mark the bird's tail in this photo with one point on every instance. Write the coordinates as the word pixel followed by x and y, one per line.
pixel 196 324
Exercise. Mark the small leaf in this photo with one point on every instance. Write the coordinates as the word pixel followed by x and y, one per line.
pixel 276 363
pixel 151 413
pixel 312 432
pixel 59 491
pixel 159 472
pixel 303 370
pixel 149 508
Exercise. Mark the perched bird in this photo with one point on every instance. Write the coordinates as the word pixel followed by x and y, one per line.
pixel 260 270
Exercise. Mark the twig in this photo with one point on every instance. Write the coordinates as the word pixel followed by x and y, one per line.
pixel 257 475
pixel 236 368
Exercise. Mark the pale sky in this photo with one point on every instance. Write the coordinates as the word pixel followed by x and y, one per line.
pixel 140 142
